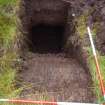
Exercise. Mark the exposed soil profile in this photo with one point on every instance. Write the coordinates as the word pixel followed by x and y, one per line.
pixel 46 68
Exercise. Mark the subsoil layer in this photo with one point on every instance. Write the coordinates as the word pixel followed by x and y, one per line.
pixel 62 78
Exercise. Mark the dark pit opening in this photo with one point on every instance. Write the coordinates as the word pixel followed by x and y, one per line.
pixel 47 38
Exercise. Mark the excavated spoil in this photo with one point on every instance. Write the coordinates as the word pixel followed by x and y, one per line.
pixel 49 32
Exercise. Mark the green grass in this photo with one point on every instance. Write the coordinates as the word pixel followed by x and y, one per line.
pixel 7 30
pixel 92 65
pixel 7 24
pixel 8 2
pixel 8 58
pixel 81 29
pixel 7 77
pixel 81 26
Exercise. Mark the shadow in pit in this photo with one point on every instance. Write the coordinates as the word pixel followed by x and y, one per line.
pixel 47 38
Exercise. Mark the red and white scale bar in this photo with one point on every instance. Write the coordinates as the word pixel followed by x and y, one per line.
pixel 98 70
pixel 43 102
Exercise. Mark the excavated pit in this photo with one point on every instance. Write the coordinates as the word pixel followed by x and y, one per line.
pixel 46 68
pixel 47 38
pixel 44 25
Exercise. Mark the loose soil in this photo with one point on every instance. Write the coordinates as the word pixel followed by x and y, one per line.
pixel 61 78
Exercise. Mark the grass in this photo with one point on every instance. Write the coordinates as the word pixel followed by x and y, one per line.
pixel 8 58
pixel 81 29
pixel 92 65
pixel 81 26
pixel 7 2
pixel 8 21
pixel 7 30
pixel 7 77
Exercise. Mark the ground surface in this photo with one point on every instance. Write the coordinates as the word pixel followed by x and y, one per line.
pixel 61 78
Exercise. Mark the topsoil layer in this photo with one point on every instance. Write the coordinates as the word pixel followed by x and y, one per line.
pixel 63 79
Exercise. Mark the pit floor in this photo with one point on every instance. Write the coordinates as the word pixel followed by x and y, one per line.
pixel 55 77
